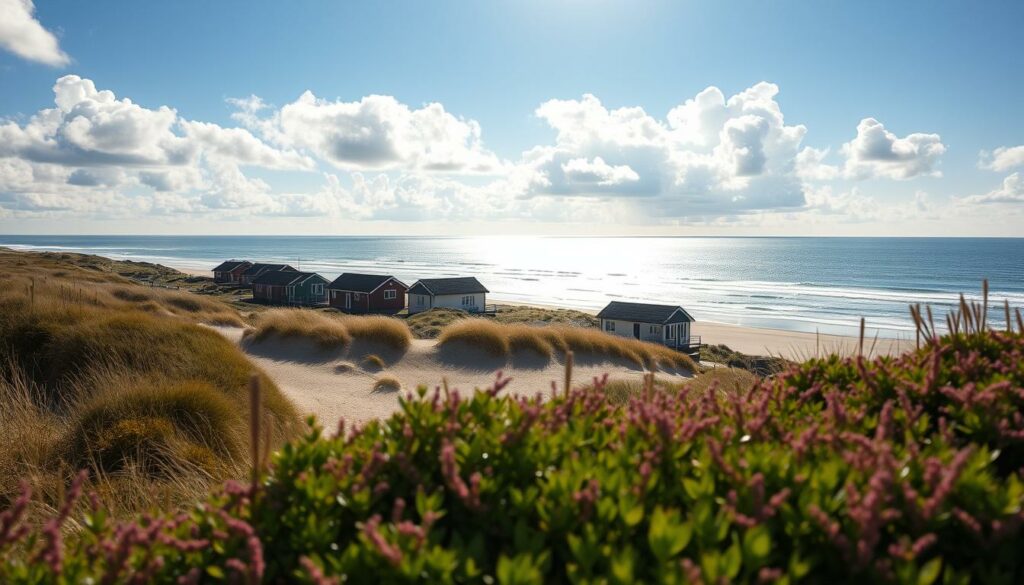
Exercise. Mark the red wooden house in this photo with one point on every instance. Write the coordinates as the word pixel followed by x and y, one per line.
pixel 230 272
pixel 367 293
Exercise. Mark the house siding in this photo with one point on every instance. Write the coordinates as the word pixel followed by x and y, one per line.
pixel 478 303
pixel 648 331
pixel 374 302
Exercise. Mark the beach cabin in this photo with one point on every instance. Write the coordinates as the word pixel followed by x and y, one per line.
pixel 367 293
pixel 290 287
pixel 668 325
pixel 230 272
pixel 465 293
pixel 253 272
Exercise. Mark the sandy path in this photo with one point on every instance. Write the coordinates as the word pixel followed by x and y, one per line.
pixel 334 384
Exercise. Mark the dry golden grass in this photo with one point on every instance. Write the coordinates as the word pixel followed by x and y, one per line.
pixel 387 383
pixel 328 330
pixel 316 327
pixel 729 380
pixel 374 362
pixel 501 339
pixel 101 373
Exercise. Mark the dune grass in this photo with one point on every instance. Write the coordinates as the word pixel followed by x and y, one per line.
pixel 430 324
pixel 374 362
pixel 120 379
pixel 503 339
pixel 331 331
pixel 387 383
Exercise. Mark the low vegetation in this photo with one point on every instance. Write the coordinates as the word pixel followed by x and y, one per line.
pixel 329 330
pixel 501 340
pixel 429 324
pixel 756 364
pixel 842 469
pixel 97 372
pixel 387 383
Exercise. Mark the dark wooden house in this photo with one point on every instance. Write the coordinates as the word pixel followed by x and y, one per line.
pixel 289 287
pixel 252 272
pixel 367 293
pixel 230 272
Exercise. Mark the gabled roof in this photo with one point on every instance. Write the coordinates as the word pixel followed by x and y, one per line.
pixel 644 313
pixel 231 265
pixel 281 277
pixel 261 267
pixel 465 285
pixel 365 283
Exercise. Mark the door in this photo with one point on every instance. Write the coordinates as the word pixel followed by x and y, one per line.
pixel 636 330
pixel 348 300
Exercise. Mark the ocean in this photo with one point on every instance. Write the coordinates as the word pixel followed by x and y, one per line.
pixel 800 284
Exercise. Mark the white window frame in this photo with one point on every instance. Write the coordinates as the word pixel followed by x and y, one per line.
pixel 609 325
pixel 318 289
pixel 390 294
pixel 469 301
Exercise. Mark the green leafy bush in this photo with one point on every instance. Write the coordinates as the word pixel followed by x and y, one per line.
pixel 905 470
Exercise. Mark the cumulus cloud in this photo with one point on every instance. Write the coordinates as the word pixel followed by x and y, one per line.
pixel 1003 158
pixel 710 155
pixel 878 153
pixel 711 159
pixel 1011 191
pixel 376 132
pixel 23 35
pixel 93 145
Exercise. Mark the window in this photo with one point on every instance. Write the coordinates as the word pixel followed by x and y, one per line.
pixel 390 294
pixel 318 289
pixel 653 329
pixel 671 333
pixel 609 325
pixel 468 300
pixel 420 300
pixel 334 294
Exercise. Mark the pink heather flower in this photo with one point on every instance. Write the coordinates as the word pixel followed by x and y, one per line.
pixel 315 574
pixel 390 553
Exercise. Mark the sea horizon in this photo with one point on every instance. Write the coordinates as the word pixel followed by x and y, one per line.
pixel 799 283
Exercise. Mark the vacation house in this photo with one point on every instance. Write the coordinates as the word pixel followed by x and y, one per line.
pixel 367 293
pixel 230 272
pixel 665 324
pixel 289 287
pixel 253 272
pixel 464 293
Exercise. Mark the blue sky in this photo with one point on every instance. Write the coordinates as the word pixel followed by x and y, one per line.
pixel 507 79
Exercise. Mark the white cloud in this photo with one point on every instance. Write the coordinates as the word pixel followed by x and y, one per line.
pixel 878 153
pixel 711 155
pixel 241 147
pixel 21 34
pixel 1003 158
pixel 1011 191
pixel 598 172
pixel 376 132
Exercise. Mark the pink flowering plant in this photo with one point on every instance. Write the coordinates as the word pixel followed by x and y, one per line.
pixel 840 470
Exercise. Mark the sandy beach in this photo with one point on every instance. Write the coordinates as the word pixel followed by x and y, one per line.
pixel 337 383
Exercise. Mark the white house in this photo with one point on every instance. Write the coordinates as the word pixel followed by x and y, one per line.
pixel 665 324
pixel 465 293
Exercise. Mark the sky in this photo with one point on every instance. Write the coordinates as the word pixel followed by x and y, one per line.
pixel 551 117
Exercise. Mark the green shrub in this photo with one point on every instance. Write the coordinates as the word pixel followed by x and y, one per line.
pixel 905 470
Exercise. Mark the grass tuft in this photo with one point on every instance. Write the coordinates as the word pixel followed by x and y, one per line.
pixel 331 331
pixel 387 383
pixel 502 340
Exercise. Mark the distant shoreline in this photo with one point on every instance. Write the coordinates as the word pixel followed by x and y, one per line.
pixel 793 345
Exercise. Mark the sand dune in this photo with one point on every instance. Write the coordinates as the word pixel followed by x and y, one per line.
pixel 338 383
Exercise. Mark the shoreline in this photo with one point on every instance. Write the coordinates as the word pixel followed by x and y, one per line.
pixel 789 344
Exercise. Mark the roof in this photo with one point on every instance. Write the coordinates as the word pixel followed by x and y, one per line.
pixel 448 286
pixel 231 265
pixel 260 267
pixel 644 313
pixel 365 283
pixel 281 277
